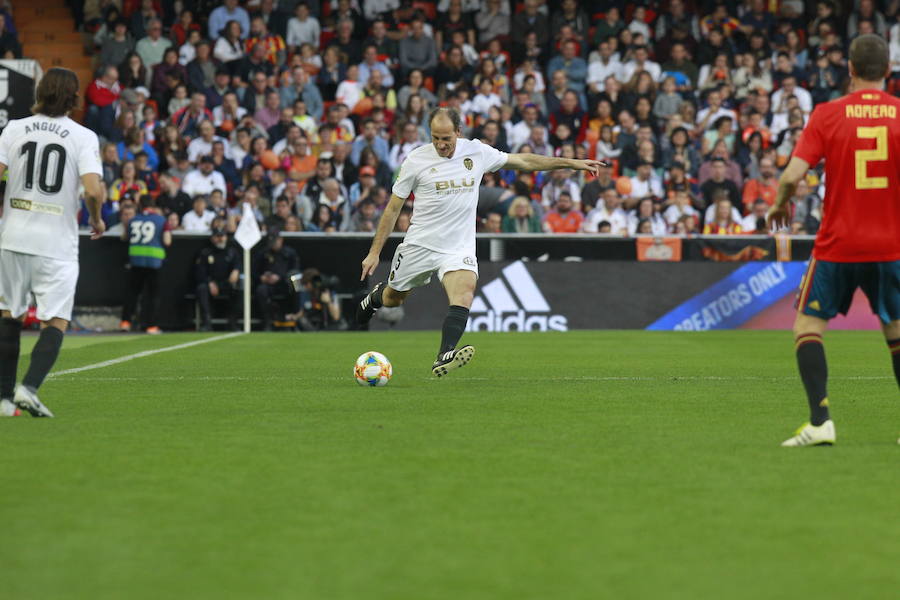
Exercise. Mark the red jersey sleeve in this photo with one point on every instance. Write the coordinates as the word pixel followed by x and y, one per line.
pixel 811 146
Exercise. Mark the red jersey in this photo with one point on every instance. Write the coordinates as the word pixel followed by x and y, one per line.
pixel 859 138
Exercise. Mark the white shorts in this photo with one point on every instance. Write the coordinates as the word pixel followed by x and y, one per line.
pixel 52 281
pixel 413 266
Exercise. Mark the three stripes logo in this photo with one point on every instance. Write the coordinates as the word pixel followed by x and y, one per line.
pixel 513 302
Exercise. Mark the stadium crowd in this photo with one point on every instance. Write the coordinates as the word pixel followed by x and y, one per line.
pixel 306 109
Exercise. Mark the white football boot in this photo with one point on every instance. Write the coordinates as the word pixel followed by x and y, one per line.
pixel 8 409
pixel 28 401
pixel 810 435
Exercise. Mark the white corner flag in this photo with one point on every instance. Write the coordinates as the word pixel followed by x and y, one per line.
pixel 247 235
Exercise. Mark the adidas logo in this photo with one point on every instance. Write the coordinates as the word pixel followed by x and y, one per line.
pixel 513 302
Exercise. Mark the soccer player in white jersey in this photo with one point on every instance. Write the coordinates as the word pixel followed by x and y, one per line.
pixel 444 176
pixel 48 156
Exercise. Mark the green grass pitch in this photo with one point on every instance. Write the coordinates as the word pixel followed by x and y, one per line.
pixel 578 465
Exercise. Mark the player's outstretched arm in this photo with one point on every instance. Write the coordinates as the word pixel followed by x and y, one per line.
pixel 385 227
pixel 536 162
pixel 780 214
pixel 94 197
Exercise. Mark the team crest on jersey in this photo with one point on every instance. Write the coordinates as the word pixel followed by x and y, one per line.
pixel 391 278
pixel 468 163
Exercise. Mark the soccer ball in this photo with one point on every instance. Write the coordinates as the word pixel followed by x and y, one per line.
pixel 372 369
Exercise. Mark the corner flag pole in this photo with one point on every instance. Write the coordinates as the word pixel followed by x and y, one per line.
pixel 247 280
pixel 247 235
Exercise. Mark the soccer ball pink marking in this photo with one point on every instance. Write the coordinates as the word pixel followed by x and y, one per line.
pixel 372 369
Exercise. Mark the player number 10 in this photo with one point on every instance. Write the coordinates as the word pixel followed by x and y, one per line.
pixel 863 157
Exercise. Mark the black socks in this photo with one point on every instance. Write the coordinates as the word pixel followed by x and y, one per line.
pixel 454 326
pixel 43 357
pixel 10 330
pixel 376 295
pixel 814 373
pixel 894 346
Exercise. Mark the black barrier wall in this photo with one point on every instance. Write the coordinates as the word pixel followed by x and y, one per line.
pixel 612 283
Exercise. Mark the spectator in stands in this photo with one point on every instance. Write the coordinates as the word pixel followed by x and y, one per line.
pixel 142 19
pixel 789 88
pixel 202 144
pixel 365 218
pixel 274 265
pixel 253 63
pixel 681 206
pixel 755 221
pixel 719 181
pixel 168 68
pixel 133 144
pixel 201 71
pixel 270 113
pixel 217 272
pixel 188 119
pixel 415 87
pixel 183 28
pixel 369 138
pixel 370 63
pixel 570 114
pixel 223 14
pixel 171 198
pixel 110 162
pixel 640 62
pixel 528 21
pixel 645 213
pixel 199 218
pixel 608 210
pixel 127 184
pixel 152 48
pixel 573 65
pixel 229 49
pixel 346 42
pixel 302 28
pixel 723 221
pixel 204 179
pixel 564 217
pixel 521 217
pixel 764 188
pixel 560 183
pixel 101 97
pixel 331 75
pixel 645 183
pixel 492 21
pixel 132 72
pixel 301 88
pixel 115 48
pixel 333 197
pixel 417 51
pixel 274 45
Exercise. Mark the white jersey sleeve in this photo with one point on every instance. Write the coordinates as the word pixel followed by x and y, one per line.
pixel 494 160
pixel 89 156
pixel 4 146
pixel 406 179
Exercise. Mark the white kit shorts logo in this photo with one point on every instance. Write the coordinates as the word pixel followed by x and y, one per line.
pixel 513 302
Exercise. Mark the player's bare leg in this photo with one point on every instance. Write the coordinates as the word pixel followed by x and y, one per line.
pixel 10 336
pixel 808 332
pixel 381 295
pixel 460 288
pixel 43 357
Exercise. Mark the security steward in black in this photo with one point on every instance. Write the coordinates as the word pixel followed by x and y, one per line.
pixel 217 271
pixel 274 266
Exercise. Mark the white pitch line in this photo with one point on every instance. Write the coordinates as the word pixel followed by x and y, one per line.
pixel 121 359
pixel 479 379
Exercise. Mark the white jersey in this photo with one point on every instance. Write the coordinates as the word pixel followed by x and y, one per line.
pixel 45 158
pixel 446 191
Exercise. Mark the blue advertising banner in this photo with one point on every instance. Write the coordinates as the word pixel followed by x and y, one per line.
pixel 735 299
